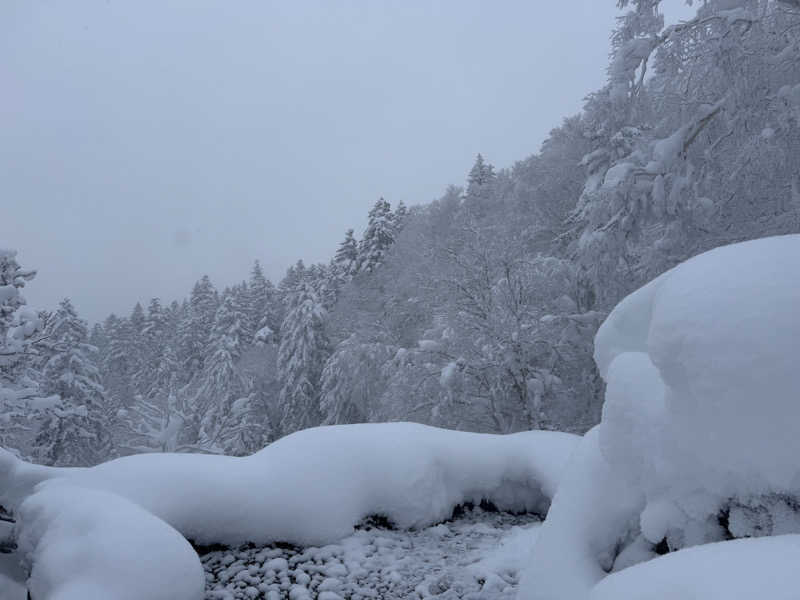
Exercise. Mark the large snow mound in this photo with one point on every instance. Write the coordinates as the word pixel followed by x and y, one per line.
pixel 313 486
pixel 738 569
pixel 703 395
pixel 698 438
pixel 90 545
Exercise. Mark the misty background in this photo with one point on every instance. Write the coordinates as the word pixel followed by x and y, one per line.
pixel 147 144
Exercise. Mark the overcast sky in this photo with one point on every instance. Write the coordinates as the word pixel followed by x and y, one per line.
pixel 144 144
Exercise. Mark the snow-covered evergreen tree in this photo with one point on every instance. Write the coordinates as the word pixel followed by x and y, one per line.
pixel 117 362
pixel 20 328
pixel 480 187
pixel 377 238
pixel 152 343
pixel 347 254
pixel 223 399
pixel 75 430
pixel 301 356
pixel 194 329
pixel 262 310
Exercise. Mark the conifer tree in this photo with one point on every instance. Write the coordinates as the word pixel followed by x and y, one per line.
pixel 377 239
pixel 223 397
pixel 75 431
pixel 301 356
pixel 116 361
pixel 480 187
pixel 195 328
pixel 262 306
pixel 20 329
pixel 347 254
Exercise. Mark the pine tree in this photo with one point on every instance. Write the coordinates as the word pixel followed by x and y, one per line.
pixel 137 319
pixel 301 355
pixel 262 310
pixel 480 187
pixel 20 328
pixel 153 340
pixel 75 430
pixel 347 254
pixel 377 239
pixel 117 362
pixel 240 296
pixel 399 217
pixel 194 329
pixel 223 397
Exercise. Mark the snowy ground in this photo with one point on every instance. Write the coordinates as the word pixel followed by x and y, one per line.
pixel 476 556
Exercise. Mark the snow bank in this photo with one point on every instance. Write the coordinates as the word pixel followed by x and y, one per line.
pixel 12 578
pixel 592 510
pixel 700 419
pixel 90 545
pixel 703 395
pixel 313 486
pixel 752 568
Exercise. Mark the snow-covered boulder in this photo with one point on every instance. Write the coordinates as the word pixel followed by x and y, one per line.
pixel 313 486
pixel 84 544
pixel 699 422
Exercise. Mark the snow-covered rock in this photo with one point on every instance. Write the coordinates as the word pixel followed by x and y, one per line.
pixel 476 555
pixel 699 422
pixel 313 486
pixel 84 544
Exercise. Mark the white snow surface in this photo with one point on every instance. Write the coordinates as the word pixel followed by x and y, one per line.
pixel 734 570
pixel 90 545
pixel 703 386
pixel 313 486
pixel 593 507
pixel 701 413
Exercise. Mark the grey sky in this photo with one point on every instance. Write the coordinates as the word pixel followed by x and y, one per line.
pixel 147 143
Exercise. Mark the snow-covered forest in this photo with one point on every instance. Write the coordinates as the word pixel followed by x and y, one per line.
pixel 489 310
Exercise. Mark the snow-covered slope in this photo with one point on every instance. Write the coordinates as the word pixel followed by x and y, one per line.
pixel 700 419
pixel 313 486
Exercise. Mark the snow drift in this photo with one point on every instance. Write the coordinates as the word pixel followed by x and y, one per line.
pixel 745 569
pixel 700 415
pixel 89 545
pixel 313 486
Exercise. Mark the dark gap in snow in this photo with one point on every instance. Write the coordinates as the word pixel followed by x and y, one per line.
pixel 661 547
pixel 202 549
pixel 460 510
pixel 375 522
pixel 724 520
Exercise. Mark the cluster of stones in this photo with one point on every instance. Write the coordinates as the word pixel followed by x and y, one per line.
pixel 373 563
